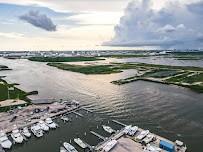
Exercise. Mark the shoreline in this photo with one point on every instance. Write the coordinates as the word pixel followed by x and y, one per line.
pixel 188 77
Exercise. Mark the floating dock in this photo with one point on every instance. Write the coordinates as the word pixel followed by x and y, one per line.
pixel 79 114
pixel 23 118
pixel 130 144
pixel 87 145
pixel 120 123
pixel 98 135
pixel 87 109
pixel 125 142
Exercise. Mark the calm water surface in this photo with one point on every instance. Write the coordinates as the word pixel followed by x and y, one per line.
pixel 170 111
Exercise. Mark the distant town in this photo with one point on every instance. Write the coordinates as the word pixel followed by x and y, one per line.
pixel 89 53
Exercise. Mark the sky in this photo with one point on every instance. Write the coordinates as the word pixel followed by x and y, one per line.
pixel 100 24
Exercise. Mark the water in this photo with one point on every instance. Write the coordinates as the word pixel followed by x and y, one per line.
pixel 170 111
pixel 164 61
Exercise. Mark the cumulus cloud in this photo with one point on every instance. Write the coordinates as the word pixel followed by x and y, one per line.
pixel 177 25
pixel 39 20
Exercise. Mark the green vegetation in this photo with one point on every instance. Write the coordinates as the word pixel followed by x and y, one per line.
pixel 190 77
pixel 3 67
pixel 162 73
pixel 175 55
pixel 9 91
pixel 94 69
pixel 126 55
pixel 187 55
pixel 14 93
pixel 64 59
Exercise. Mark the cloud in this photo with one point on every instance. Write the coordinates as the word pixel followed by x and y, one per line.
pixel 39 20
pixel 11 35
pixel 176 25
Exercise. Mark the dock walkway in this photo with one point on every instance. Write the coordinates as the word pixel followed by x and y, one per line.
pixel 120 123
pixel 115 136
pixel 88 110
pixel 79 114
pixel 98 135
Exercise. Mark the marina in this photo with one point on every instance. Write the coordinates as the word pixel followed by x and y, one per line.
pixel 132 136
pixel 114 103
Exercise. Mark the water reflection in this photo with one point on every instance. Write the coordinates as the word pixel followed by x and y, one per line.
pixel 170 111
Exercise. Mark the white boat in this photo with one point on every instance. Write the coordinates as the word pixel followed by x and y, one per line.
pixel 110 145
pixel 43 125
pixel 69 147
pixel 150 148
pixel 4 141
pixel 16 135
pixel 62 149
pixel 127 129
pixel 148 138
pixel 50 123
pixel 133 130
pixel 108 129
pixel 36 130
pixel 143 134
pixel 80 143
pixel 179 146
pixel 65 119
pixel 26 132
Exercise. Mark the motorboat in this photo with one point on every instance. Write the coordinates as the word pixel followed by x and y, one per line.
pixel 4 141
pixel 110 145
pixel 148 138
pixel 129 130
pixel 80 143
pixel 26 132
pixel 50 123
pixel 43 125
pixel 65 119
pixel 143 134
pixel 69 147
pixel 133 130
pixel 62 149
pixel 151 148
pixel 179 146
pixel 108 129
pixel 16 135
pixel 36 130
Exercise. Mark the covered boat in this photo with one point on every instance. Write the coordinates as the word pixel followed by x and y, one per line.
pixel 4 141
pixel 16 135
pixel 69 147
pixel 108 129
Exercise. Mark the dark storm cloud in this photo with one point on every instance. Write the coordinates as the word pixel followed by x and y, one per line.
pixel 39 20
